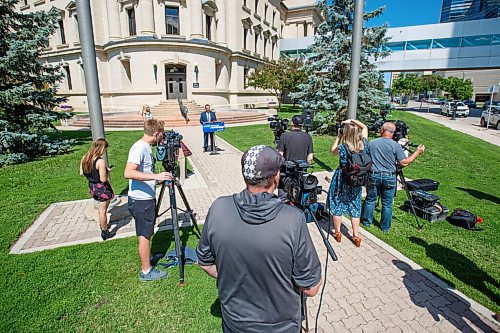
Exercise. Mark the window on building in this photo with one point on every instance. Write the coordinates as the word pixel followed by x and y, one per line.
pixel 266 7
pixel 305 29
pixel 482 40
pixel 442 43
pixel 208 21
pixel 273 44
pixel 245 37
pixel 274 18
pixel 67 72
pixel 245 3
pixel 245 77
pixel 77 32
pixel 25 2
pixel 496 40
pixel 256 5
pixel 419 44
pixel 265 46
pixel 132 30
pixel 394 46
pixel 172 20
pixel 255 42
pixel 62 35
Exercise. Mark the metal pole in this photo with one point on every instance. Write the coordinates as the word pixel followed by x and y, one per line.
pixel 357 32
pixel 489 108
pixel 90 68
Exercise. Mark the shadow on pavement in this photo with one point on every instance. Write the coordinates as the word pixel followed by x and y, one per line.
pixel 439 302
pixel 462 268
pixel 480 195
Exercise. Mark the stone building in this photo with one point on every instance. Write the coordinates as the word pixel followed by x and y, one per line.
pixel 149 51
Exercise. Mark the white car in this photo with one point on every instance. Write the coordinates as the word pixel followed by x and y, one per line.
pixel 462 109
pixel 494 118
pixel 434 100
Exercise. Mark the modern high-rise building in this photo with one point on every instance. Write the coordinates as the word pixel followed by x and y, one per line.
pixel 467 10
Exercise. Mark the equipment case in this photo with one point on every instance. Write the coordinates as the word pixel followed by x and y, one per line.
pixel 434 213
pixel 424 199
pixel 422 184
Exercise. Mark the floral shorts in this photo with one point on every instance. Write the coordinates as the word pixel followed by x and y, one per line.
pixel 101 191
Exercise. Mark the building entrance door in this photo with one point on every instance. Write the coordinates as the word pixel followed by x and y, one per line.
pixel 175 81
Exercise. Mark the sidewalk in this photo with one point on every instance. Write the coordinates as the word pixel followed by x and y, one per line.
pixel 469 125
pixel 369 289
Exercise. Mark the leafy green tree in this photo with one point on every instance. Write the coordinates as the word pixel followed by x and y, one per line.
pixel 27 86
pixel 327 87
pixel 457 88
pixel 279 78
pixel 406 85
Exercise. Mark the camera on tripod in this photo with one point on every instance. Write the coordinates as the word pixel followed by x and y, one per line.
pixel 278 125
pixel 167 149
pixel 301 186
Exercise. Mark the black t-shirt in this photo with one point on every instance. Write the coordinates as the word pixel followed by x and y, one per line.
pixel 295 145
pixel 263 252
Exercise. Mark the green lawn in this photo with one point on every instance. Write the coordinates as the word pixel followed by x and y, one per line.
pixel 94 287
pixel 469 172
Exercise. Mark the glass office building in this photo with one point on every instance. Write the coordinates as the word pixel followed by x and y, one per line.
pixel 467 10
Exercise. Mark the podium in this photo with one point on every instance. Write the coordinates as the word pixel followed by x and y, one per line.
pixel 211 128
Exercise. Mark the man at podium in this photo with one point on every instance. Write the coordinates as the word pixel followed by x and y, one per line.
pixel 207 116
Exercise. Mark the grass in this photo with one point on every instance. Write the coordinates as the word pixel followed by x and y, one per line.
pixel 93 287
pixel 469 172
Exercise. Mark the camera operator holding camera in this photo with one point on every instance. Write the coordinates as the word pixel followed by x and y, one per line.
pixel 140 170
pixel 296 144
pixel 387 155
pixel 343 197
pixel 260 251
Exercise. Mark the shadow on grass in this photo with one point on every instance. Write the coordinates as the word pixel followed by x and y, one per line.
pixel 463 268
pixel 439 302
pixel 323 164
pixel 480 195
pixel 163 241
pixel 215 308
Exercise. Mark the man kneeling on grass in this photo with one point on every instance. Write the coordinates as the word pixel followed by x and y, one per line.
pixel 140 171
pixel 260 251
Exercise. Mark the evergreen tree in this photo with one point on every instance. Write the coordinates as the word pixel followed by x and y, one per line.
pixel 27 86
pixel 328 85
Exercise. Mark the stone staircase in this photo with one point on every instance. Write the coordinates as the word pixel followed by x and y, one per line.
pixel 168 111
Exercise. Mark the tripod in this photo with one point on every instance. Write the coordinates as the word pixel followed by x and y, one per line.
pixel 402 180
pixel 177 257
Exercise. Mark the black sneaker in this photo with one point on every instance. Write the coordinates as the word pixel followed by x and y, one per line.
pixel 105 234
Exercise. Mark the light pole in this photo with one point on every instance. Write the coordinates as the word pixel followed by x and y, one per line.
pixel 357 32
pixel 90 69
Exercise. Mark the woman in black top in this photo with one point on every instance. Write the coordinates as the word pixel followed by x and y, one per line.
pixel 94 168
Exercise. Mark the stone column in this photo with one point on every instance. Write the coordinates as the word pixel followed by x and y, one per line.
pixel 147 17
pixel 196 19
pixel 221 23
pixel 114 28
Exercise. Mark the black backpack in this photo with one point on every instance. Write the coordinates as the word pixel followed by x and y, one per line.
pixel 465 219
pixel 357 170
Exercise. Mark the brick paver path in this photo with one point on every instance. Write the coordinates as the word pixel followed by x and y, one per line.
pixel 368 289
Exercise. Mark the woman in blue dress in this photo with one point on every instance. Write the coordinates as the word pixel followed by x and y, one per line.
pixel 343 198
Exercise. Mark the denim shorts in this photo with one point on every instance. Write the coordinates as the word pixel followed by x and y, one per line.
pixel 144 214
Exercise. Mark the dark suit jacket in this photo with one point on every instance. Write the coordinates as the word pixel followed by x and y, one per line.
pixel 204 118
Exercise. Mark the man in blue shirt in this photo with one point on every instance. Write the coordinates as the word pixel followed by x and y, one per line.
pixel 206 117
pixel 386 155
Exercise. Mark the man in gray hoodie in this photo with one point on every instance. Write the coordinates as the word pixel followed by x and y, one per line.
pixel 260 251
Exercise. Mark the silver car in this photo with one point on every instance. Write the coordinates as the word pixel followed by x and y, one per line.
pixel 494 120
pixel 462 109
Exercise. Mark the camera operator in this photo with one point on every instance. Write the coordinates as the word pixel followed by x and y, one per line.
pixel 260 251
pixel 386 155
pixel 296 144
pixel 140 170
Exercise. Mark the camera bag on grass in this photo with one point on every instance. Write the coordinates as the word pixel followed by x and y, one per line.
pixel 358 168
pixel 465 219
pixel 424 184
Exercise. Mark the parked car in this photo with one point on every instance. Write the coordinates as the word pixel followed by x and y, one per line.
pixel 470 103
pixel 494 118
pixel 462 109
pixel 434 100
pixel 487 104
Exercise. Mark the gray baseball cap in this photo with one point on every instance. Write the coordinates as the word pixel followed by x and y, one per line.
pixel 260 162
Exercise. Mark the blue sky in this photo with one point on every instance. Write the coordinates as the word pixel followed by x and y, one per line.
pixel 400 13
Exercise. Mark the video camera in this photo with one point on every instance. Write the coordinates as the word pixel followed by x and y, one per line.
pixel 167 149
pixel 402 130
pixel 301 187
pixel 278 125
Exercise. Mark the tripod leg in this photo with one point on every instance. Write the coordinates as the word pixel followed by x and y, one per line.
pixel 303 310
pixel 188 209
pixel 329 247
pixel 160 198
pixel 408 195
pixel 175 226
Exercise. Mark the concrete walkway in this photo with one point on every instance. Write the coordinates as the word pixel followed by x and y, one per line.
pixel 469 125
pixel 369 289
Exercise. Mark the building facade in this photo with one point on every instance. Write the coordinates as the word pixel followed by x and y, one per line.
pixel 466 10
pixel 149 51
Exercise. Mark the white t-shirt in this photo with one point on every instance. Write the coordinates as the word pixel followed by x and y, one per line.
pixel 142 155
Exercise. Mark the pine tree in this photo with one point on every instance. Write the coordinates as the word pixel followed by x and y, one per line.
pixel 328 85
pixel 27 86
